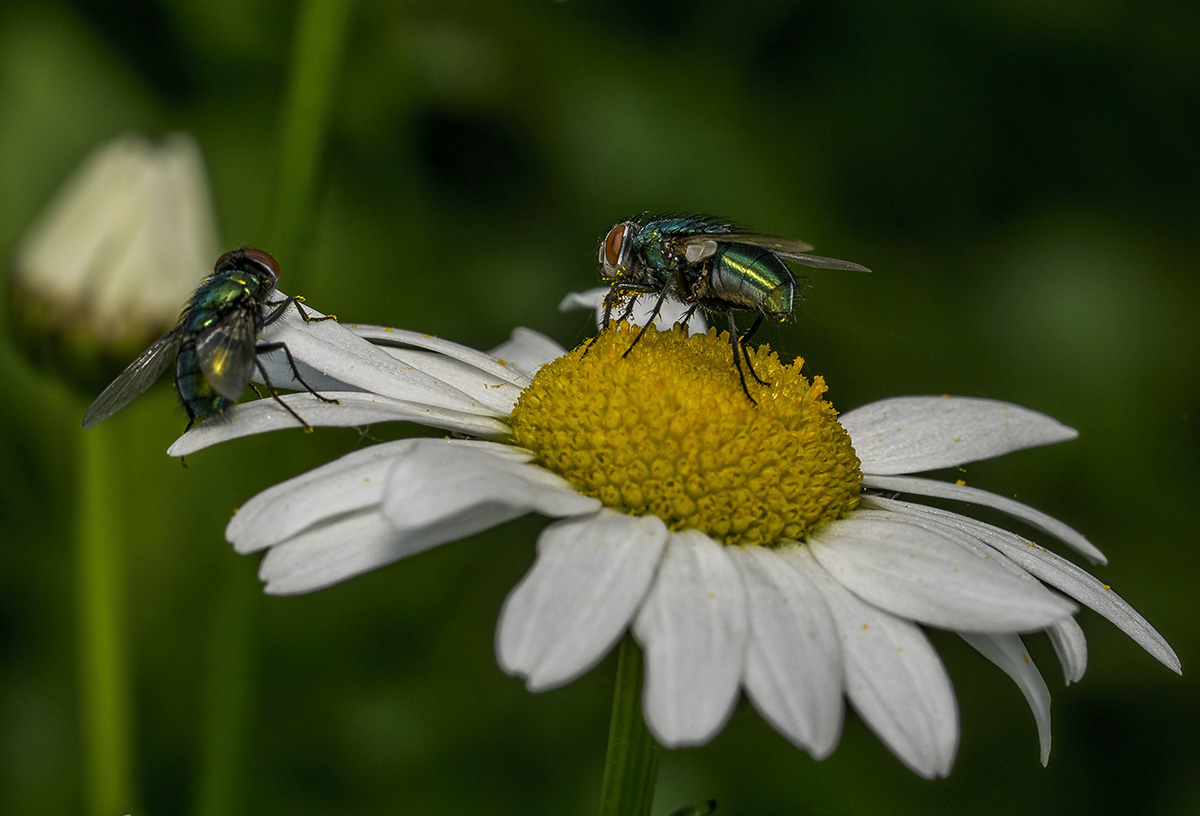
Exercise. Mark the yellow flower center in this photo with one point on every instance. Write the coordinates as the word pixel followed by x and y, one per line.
pixel 668 431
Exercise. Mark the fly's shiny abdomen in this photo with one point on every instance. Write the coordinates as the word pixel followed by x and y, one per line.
pixel 195 391
pixel 751 278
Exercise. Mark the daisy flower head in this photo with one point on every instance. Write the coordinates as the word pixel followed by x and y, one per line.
pixel 758 547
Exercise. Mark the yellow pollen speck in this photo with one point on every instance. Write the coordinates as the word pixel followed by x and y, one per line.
pixel 668 431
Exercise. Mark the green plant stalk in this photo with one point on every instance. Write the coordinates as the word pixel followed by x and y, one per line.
pixel 100 570
pixel 631 762
pixel 230 697
pixel 316 59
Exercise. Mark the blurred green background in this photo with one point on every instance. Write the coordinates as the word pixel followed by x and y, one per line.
pixel 1021 177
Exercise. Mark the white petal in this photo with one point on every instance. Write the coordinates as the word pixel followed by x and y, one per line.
pixel 284 379
pixel 443 492
pixel 692 627
pixel 504 450
pixel 914 572
pixel 1068 639
pixel 1014 508
pixel 1070 645
pixel 672 310
pixel 1065 576
pixel 329 349
pixel 328 525
pixel 527 350
pixel 894 678
pixel 485 390
pixel 912 434
pixel 354 409
pixel 590 299
pixel 911 514
pixel 1009 653
pixel 590 576
pixel 353 482
pixel 1090 592
pixel 478 360
pixel 332 552
pixel 794 671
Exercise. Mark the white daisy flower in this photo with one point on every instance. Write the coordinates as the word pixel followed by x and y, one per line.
pixel 747 547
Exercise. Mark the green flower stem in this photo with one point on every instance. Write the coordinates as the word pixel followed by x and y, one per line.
pixel 320 40
pixel 231 693
pixel 100 570
pixel 631 763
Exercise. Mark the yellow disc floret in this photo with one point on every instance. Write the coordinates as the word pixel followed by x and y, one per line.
pixel 668 431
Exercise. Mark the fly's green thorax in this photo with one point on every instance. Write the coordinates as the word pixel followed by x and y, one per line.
pixel 217 296
pixel 661 244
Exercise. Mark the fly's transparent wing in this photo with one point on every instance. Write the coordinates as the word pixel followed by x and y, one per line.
pixel 772 242
pixel 226 353
pixel 134 380
pixel 821 262
pixel 701 246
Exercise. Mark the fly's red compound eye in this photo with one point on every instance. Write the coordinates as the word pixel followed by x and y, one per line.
pixel 262 258
pixel 249 260
pixel 613 245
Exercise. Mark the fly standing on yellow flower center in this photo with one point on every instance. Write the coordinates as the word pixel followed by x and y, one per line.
pixel 707 263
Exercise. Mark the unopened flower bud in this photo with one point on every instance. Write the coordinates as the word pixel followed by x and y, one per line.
pixel 112 259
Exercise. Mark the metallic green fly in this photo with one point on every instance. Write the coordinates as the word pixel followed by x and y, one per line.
pixel 706 263
pixel 214 346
